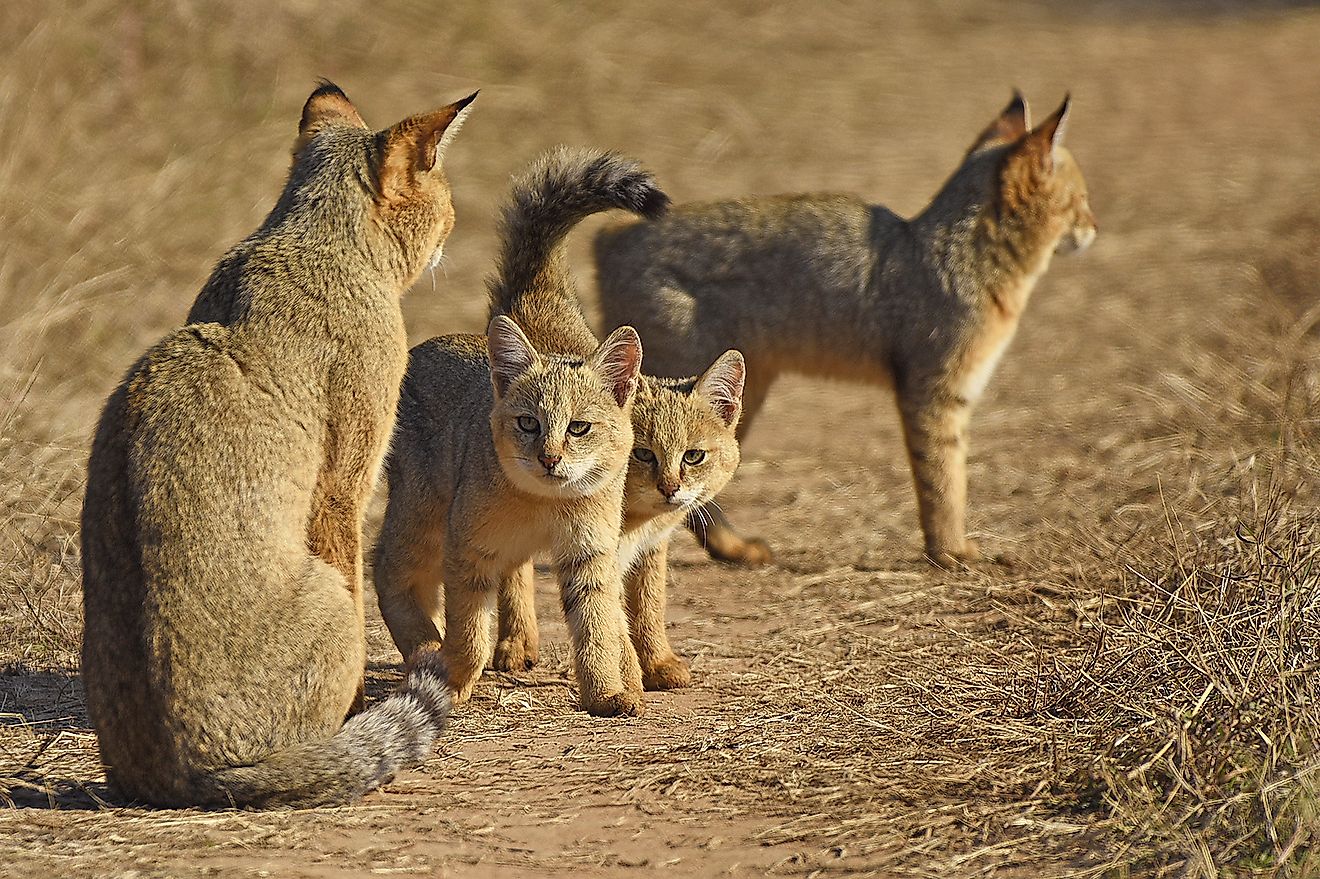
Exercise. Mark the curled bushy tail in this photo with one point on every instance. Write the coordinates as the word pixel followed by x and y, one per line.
pixel 366 752
pixel 532 283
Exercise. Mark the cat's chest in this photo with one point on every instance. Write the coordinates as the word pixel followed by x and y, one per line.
pixel 982 355
pixel 635 543
pixel 506 530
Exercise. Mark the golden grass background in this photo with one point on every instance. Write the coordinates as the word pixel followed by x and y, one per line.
pixel 1135 697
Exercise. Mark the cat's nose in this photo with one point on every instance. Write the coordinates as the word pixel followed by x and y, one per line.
pixel 668 489
pixel 549 462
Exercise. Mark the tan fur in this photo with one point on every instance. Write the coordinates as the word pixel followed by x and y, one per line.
pixel 670 418
pixel 502 453
pixel 828 285
pixel 221 529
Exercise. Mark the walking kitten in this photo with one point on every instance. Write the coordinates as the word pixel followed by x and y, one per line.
pixel 829 285
pixel 503 451
pixel 685 448
pixel 224 644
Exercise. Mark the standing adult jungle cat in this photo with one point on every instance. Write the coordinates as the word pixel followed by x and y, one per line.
pixel 504 451
pixel 829 285
pixel 221 573
pixel 685 449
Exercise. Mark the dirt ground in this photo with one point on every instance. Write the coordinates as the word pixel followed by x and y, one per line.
pixel 854 711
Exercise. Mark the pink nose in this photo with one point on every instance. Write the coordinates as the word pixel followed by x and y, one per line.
pixel 549 462
pixel 668 489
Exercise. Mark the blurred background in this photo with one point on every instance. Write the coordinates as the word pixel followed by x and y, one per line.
pixel 139 140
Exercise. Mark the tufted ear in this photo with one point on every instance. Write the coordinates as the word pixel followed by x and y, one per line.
pixel 327 106
pixel 722 384
pixel 511 353
pixel 1012 123
pixel 619 362
pixel 415 146
pixel 1040 143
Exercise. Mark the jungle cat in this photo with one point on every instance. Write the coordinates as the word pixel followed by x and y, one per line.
pixel 504 451
pixel 685 448
pixel 829 285
pixel 224 643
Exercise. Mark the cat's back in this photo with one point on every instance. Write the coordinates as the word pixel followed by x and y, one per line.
pixel 737 273
pixel 444 407
pixel 209 437
pixel 705 236
pixel 193 461
pixel 445 374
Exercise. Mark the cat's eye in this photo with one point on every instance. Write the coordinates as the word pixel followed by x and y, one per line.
pixel 694 456
pixel 579 428
pixel 528 424
pixel 646 456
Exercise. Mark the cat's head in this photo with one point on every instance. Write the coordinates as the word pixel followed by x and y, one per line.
pixel 1034 180
pixel 562 426
pixel 685 447
pixel 384 191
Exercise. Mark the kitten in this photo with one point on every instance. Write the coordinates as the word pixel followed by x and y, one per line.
pixel 503 451
pixel 684 429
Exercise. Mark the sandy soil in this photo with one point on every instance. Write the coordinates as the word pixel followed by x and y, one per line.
pixel 853 711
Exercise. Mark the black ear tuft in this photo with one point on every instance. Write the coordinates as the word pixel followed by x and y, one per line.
pixel 326 87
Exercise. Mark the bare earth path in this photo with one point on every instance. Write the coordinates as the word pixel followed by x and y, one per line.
pixel 854 712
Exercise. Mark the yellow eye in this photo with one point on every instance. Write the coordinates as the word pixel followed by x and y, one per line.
pixel 528 424
pixel 579 428
pixel 646 456
pixel 694 456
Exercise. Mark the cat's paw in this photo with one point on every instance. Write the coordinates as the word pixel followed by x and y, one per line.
pixel 461 686
pixel 516 653
pixel 616 705
pixel 460 695
pixel 954 559
pixel 725 546
pixel 670 673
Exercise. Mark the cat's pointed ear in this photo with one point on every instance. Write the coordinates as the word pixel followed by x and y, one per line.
pixel 511 353
pixel 1008 126
pixel 1041 143
pixel 325 107
pixel 415 145
pixel 722 385
pixel 619 362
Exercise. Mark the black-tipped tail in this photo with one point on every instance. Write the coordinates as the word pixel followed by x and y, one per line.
pixel 368 750
pixel 560 189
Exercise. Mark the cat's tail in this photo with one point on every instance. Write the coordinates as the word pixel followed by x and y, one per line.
pixel 532 283
pixel 366 752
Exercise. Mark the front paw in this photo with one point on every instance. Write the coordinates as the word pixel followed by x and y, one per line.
pixel 670 673
pixel 953 559
pixel 461 686
pixel 516 653
pixel 616 705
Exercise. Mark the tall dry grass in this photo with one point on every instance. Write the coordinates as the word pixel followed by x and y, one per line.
pixel 1198 659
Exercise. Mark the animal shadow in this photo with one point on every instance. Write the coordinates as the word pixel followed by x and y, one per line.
pixel 48 756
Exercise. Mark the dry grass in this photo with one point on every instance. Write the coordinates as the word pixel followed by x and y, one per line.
pixel 1135 697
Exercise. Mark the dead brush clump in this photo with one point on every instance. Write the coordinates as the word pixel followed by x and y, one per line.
pixel 1204 683
pixel 1203 673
